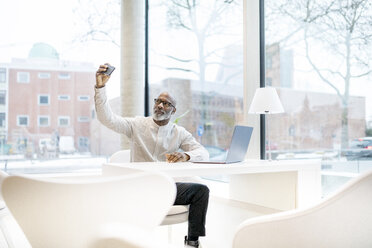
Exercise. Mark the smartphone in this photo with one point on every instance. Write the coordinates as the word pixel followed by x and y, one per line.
pixel 109 70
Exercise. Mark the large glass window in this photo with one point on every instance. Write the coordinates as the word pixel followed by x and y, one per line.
pixel 318 57
pixel 61 43
pixel 196 54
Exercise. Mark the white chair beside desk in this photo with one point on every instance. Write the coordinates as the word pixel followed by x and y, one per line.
pixel 342 220
pixel 177 213
pixel 89 212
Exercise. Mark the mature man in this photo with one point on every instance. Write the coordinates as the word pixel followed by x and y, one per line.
pixel 157 139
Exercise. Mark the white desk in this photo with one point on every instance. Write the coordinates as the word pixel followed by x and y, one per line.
pixel 279 185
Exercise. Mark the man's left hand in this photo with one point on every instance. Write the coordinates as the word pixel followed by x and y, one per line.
pixel 177 157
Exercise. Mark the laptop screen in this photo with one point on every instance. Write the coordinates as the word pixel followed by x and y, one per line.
pixel 239 144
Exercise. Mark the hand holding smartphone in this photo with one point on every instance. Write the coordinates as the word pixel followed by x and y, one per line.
pixel 103 74
pixel 110 69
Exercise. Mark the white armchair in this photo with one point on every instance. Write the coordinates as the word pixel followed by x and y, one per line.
pixel 89 212
pixel 177 214
pixel 342 220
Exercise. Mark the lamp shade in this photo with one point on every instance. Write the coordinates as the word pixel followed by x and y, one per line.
pixel 266 101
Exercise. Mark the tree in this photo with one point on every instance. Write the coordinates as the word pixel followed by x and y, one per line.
pixel 208 21
pixel 201 18
pixel 100 21
pixel 343 29
pixel 204 20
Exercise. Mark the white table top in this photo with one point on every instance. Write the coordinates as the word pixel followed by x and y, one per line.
pixel 248 166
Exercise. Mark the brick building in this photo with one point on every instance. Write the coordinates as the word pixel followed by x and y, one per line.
pixel 45 97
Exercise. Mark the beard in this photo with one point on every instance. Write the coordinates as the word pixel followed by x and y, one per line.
pixel 161 115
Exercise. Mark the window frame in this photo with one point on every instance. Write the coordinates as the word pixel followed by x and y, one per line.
pixel 39 98
pixel 60 98
pixel 24 73
pixel 82 119
pixel 63 77
pixel 40 75
pixel 85 138
pixel 43 116
pixel 23 116
pixel 80 98
pixel 64 117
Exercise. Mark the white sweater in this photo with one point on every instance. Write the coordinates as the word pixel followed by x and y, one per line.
pixel 148 141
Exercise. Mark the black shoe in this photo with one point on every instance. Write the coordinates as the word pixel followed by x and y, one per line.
pixel 190 243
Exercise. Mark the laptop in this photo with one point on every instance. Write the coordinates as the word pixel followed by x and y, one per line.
pixel 238 146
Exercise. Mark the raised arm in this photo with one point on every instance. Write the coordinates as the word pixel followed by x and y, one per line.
pixel 103 109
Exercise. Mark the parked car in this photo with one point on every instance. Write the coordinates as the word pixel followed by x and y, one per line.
pixel 360 149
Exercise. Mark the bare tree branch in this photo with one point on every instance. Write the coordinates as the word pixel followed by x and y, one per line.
pixel 362 75
pixel 180 60
pixel 181 69
pixel 318 71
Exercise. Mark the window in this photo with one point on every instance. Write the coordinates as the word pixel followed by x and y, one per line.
pixel 83 98
pixel 22 120
pixel 83 119
pixel 83 143
pixel 34 103
pixel 316 66
pixel 2 97
pixel 202 61
pixel 64 97
pixel 2 120
pixel 63 121
pixel 64 75
pixel 43 121
pixel 43 99
pixel 44 75
pixel 23 77
pixel 2 75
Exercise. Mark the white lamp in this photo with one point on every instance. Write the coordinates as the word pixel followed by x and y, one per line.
pixel 266 101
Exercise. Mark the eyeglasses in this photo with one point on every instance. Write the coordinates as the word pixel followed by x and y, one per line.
pixel 157 101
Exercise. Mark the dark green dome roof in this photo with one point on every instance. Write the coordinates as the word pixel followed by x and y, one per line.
pixel 43 50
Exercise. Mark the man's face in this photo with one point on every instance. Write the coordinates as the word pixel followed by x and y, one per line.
pixel 163 108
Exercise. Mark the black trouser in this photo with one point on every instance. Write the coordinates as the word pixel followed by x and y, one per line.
pixel 196 195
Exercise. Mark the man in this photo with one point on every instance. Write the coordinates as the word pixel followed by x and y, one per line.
pixel 157 139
